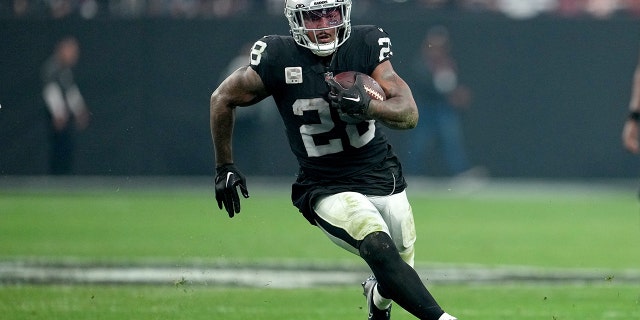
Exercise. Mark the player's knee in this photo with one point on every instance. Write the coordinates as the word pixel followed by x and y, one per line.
pixel 408 255
pixel 377 249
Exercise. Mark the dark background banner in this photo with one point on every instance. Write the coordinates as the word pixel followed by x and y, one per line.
pixel 550 95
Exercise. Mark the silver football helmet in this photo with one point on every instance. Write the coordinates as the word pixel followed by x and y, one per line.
pixel 297 11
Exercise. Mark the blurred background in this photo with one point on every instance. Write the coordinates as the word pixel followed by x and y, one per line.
pixel 549 81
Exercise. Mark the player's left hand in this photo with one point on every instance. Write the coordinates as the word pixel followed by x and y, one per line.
pixel 352 101
pixel 228 177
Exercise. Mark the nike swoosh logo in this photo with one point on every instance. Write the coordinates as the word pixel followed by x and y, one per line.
pixel 353 99
pixel 229 174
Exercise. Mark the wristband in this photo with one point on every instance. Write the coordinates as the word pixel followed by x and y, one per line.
pixel 634 115
pixel 224 167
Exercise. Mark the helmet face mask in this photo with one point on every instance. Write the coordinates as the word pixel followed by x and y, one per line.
pixel 304 17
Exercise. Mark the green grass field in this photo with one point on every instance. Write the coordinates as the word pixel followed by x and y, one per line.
pixel 504 302
pixel 546 230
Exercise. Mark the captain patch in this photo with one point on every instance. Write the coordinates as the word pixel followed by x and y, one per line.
pixel 293 75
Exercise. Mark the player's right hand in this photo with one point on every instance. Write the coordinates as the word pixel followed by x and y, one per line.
pixel 352 101
pixel 228 177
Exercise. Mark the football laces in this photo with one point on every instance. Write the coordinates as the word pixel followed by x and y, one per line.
pixel 375 94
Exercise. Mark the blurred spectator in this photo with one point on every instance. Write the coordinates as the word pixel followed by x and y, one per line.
pixel 21 7
pixel 186 8
pixel 479 5
pixel 440 97
pixel 28 8
pixel 436 4
pixel 519 9
pixel 227 8
pixel 88 9
pixel 60 8
pixel 213 9
pixel 156 8
pixel 131 8
pixel 569 8
pixel 632 7
pixel 601 9
pixel 64 103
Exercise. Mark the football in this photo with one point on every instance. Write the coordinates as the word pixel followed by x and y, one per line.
pixel 371 86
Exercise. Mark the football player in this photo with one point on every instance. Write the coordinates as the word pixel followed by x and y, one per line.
pixel 350 182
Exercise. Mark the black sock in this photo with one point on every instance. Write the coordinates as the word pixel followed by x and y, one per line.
pixel 396 279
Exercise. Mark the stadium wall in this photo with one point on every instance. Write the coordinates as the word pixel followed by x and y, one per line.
pixel 550 95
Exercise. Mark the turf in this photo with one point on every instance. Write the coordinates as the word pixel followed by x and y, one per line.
pixel 546 231
pixel 603 301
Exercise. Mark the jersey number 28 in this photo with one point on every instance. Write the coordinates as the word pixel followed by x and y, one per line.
pixel 326 128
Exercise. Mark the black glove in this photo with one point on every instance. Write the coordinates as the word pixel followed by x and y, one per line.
pixel 227 179
pixel 353 101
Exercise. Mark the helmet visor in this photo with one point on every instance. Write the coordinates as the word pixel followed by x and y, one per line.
pixel 322 18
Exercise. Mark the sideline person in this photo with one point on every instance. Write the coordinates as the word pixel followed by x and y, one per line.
pixel 630 129
pixel 65 105
pixel 442 100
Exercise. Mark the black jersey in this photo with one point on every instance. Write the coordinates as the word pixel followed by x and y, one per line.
pixel 335 154
pixel 324 144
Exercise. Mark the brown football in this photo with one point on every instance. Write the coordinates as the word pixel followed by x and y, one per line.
pixel 371 86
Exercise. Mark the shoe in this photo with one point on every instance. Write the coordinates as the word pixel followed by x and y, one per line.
pixel 447 316
pixel 374 313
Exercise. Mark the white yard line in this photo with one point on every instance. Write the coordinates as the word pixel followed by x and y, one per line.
pixel 270 277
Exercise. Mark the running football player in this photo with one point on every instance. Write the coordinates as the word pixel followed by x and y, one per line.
pixel 350 182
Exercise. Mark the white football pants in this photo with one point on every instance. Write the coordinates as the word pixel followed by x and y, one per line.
pixel 359 215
